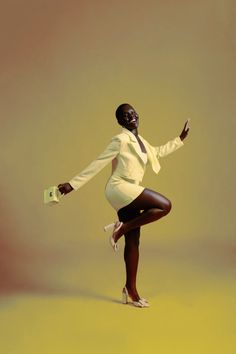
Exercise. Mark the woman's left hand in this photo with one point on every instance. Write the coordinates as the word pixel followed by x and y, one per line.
pixel 185 131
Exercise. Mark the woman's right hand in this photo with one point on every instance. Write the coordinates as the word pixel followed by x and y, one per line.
pixel 65 188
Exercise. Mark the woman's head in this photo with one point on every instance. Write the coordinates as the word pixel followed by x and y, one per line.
pixel 127 116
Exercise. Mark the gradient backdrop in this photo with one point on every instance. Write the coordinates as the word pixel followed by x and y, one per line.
pixel 65 67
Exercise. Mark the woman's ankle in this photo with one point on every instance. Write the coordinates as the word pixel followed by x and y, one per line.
pixel 119 233
pixel 133 293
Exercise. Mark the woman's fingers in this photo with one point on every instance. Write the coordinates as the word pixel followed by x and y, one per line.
pixel 186 126
pixel 185 130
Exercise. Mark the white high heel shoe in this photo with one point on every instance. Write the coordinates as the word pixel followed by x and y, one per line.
pixel 140 303
pixel 114 227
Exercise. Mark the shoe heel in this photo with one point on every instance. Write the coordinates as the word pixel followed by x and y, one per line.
pixel 124 296
pixel 109 227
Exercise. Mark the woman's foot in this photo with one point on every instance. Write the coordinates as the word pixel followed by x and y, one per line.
pixel 119 231
pixel 133 294
pixel 135 298
pixel 113 238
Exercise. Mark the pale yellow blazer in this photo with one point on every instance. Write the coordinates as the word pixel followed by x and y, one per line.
pixel 121 151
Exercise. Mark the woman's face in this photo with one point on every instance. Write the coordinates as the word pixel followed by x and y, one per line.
pixel 130 118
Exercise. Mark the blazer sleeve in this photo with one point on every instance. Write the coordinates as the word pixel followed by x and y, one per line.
pixel 111 151
pixel 169 147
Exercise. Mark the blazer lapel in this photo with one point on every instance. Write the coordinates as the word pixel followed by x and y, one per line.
pixel 152 158
pixel 134 144
pixel 151 153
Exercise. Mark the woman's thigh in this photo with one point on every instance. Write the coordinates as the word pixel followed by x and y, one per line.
pixel 126 214
pixel 146 200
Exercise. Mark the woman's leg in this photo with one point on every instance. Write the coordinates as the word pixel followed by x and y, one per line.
pixel 154 206
pixel 131 252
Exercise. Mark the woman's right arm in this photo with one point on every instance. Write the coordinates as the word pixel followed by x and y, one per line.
pixel 111 151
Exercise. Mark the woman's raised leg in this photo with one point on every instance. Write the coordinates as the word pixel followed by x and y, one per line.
pixel 153 205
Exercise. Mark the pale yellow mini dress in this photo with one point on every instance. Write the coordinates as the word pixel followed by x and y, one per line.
pixel 121 191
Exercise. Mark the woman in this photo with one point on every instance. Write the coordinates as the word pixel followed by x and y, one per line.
pixel 134 204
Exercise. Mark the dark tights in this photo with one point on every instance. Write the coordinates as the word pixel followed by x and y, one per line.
pixel 147 207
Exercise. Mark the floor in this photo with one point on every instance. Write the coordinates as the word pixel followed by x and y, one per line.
pixel 75 306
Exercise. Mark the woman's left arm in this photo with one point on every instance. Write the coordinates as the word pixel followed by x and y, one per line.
pixel 174 144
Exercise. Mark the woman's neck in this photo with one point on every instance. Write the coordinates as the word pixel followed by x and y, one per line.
pixel 134 131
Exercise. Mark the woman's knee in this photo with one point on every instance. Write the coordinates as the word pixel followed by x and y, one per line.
pixel 164 209
pixel 163 204
pixel 150 199
pixel 167 206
